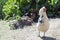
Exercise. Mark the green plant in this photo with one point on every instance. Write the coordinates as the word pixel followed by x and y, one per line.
pixel 2 2
pixel 15 9
pixel 11 9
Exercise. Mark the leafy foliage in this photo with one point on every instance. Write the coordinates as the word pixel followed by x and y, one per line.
pixel 2 2
pixel 14 9
pixel 11 9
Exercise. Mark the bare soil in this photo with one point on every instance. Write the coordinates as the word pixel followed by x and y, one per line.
pixel 30 32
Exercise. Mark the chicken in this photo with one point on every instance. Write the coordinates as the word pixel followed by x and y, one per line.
pixel 43 23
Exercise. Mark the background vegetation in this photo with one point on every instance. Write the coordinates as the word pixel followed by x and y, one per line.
pixel 15 9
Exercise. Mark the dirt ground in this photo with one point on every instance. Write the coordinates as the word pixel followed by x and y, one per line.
pixel 30 32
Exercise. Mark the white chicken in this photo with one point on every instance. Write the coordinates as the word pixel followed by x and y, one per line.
pixel 43 23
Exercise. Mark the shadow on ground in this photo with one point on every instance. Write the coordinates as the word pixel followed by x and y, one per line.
pixel 48 38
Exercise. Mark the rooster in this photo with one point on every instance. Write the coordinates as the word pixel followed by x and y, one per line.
pixel 43 23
